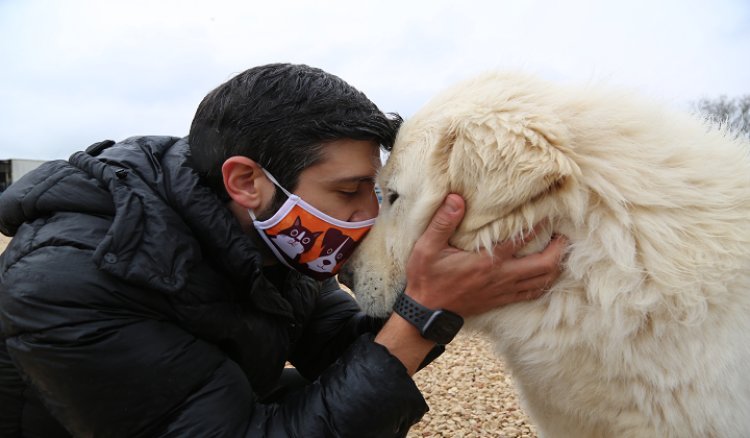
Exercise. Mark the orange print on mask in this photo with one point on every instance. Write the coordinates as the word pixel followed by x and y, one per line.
pixel 315 246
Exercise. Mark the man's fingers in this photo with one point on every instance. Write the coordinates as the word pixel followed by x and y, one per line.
pixel 540 282
pixel 532 294
pixel 520 243
pixel 544 261
pixel 524 295
pixel 512 246
pixel 556 249
pixel 443 223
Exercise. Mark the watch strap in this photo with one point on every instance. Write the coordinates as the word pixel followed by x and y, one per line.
pixel 438 325
pixel 412 311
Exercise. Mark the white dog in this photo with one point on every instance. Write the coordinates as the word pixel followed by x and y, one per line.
pixel 647 332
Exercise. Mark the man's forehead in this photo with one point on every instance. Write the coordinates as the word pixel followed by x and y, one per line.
pixel 347 162
pixel 350 174
pixel 356 154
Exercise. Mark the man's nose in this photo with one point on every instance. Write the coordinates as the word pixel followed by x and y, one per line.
pixel 368 209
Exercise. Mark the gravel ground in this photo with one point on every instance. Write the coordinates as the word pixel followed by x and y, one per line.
pixel 469 394
pixel 468 391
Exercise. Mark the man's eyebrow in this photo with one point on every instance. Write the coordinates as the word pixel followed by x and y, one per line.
pixel 353 179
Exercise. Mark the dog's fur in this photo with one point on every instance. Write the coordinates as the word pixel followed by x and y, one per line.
pixel 647 332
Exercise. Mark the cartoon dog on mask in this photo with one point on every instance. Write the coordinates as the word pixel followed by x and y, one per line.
pixel 336 246
pixel 647 332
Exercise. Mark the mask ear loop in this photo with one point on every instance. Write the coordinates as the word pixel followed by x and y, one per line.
pixel 276 183
pixel 273 180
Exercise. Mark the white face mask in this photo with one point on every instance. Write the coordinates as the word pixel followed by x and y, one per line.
pixel 308 240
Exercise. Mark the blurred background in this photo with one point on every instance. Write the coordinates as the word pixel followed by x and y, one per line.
pixel 80 71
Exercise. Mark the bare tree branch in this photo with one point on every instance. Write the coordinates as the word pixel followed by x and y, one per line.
pixel 733 113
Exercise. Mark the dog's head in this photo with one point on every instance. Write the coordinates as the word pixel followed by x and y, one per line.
pixel 490 140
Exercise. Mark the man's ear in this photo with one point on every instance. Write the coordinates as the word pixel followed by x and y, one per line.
pixel 246 183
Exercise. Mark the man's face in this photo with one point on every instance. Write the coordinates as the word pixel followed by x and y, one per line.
pixel 342 183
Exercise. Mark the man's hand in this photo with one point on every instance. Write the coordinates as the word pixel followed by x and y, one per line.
pixel 441 276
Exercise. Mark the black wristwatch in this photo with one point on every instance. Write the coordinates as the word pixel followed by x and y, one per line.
pixel 438 325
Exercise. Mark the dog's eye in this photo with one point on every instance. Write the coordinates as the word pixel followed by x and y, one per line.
pixel 392 196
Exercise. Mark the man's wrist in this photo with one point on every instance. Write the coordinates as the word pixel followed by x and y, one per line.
pixel 405 342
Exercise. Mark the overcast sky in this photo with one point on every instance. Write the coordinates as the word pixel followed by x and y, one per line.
pixel 75 72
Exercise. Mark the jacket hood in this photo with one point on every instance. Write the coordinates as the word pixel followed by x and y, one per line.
pixel 163 218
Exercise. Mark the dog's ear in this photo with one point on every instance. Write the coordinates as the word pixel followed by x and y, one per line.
pixel 501 161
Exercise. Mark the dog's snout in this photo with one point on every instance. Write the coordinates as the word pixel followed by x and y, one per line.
pixel 346 276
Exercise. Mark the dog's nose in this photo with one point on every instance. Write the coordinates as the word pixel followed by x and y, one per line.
pixel 346 276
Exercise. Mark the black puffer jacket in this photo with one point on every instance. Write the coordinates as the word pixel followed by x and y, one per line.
pixel 134 305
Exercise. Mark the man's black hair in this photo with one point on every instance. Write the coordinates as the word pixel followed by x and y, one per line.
pixel 281 116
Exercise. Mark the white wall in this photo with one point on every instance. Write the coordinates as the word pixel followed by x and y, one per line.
pixel 19 168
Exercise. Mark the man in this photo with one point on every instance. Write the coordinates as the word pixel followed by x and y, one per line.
pixel 158 286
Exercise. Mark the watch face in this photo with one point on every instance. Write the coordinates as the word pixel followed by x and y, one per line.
pixel 442 326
